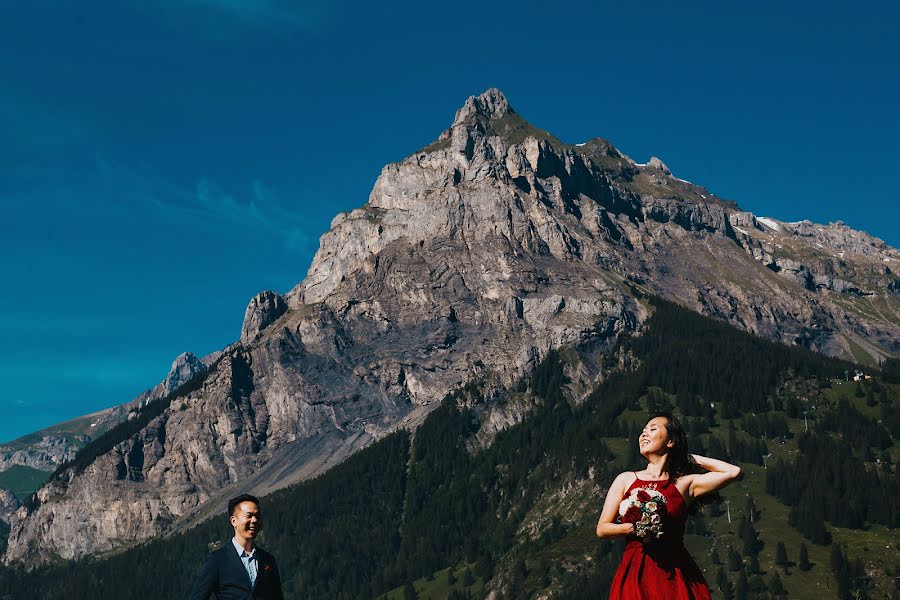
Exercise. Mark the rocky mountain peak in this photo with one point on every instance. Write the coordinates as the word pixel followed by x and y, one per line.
pixel 261 312
pixel 185 367
pixel 492 104
pixel 655 163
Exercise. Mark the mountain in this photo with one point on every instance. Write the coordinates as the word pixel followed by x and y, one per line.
pixel 36 455
pixel 472 261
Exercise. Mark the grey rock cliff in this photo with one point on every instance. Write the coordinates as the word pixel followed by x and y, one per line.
pixel 471 260
pixel 262 311
pixel 54 446
pixel 45 454
pixel 184 368
pixel 8 505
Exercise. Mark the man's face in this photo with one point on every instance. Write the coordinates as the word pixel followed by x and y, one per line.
pixel 246 520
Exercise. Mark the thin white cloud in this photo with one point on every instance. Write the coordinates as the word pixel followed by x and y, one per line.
pixel 208 203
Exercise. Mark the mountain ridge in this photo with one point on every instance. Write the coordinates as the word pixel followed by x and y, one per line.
pixel 472 259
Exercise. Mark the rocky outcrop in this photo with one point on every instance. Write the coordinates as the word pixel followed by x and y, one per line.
pixel 184 368
pixel 262 311
pixel 54 446
pixel 689 215
pixel 471 260
pixel 655 163
pixel 8 505
pixel 50 451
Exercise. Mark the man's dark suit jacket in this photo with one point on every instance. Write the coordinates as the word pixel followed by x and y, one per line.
pixel 224 575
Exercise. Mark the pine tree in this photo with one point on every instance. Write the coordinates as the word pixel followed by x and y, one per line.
pixel 837 558
pixel 451 578
pixel 484 568
pixel 843 580
pixel 775 585
pixel 742 589
pixel 734 560
pixel 732 439
pixel 742 526
pixel 753 564
pixel 804 558
pixel 757 585
pixel 781 558
pixel 870 397
pixel 469 579
pixel 409 592
pixel 728 590
pixel 721 578
pixel 751 541
pixel 778 403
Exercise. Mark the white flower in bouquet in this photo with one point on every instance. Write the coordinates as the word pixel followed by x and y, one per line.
pixel 644 508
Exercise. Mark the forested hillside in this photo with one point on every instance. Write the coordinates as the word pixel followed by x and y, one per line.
pixel 813 516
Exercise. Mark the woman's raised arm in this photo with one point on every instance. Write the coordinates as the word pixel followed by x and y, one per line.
pixel 606 527
pixel 720 474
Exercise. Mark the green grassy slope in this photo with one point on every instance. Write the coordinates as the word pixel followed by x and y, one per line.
pixel 22 481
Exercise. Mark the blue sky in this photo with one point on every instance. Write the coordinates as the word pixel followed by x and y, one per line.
pixel 161 162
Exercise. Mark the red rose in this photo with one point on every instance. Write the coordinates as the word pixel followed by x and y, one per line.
pixel 643 496
pixel 632 515
pixel 267 567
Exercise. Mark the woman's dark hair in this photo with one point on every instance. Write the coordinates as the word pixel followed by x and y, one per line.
pixel 680 460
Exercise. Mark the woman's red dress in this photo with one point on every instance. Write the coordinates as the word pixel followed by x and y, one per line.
pixel 660 569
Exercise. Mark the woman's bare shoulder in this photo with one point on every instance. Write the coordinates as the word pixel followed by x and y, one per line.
pixel 625 478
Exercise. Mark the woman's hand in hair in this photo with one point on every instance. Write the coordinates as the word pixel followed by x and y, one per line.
pixel 720 474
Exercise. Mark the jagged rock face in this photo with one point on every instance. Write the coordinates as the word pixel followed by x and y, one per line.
pixel 262 311
pixel 471 259
pixel 59 444
pixel 847 273
pixel 185 367
pixel 8 505
pixel 46 454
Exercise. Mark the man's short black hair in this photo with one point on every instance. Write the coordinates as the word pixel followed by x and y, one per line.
pixel 233 503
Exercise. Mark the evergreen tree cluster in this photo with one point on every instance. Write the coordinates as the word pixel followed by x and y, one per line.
pixel 766 425
pixel 855 428
pixel 850 574
pixel 825 482
pixel 738 448
pixel 890 370
pixel 691 356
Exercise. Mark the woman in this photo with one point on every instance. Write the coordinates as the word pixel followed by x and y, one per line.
pixel 656 565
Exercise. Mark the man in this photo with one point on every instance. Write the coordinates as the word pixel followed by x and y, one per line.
pixel 240 570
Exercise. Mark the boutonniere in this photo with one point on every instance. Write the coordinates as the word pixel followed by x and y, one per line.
pixel 267 567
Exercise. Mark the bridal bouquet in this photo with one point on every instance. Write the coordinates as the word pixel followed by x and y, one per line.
pixel 644 508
